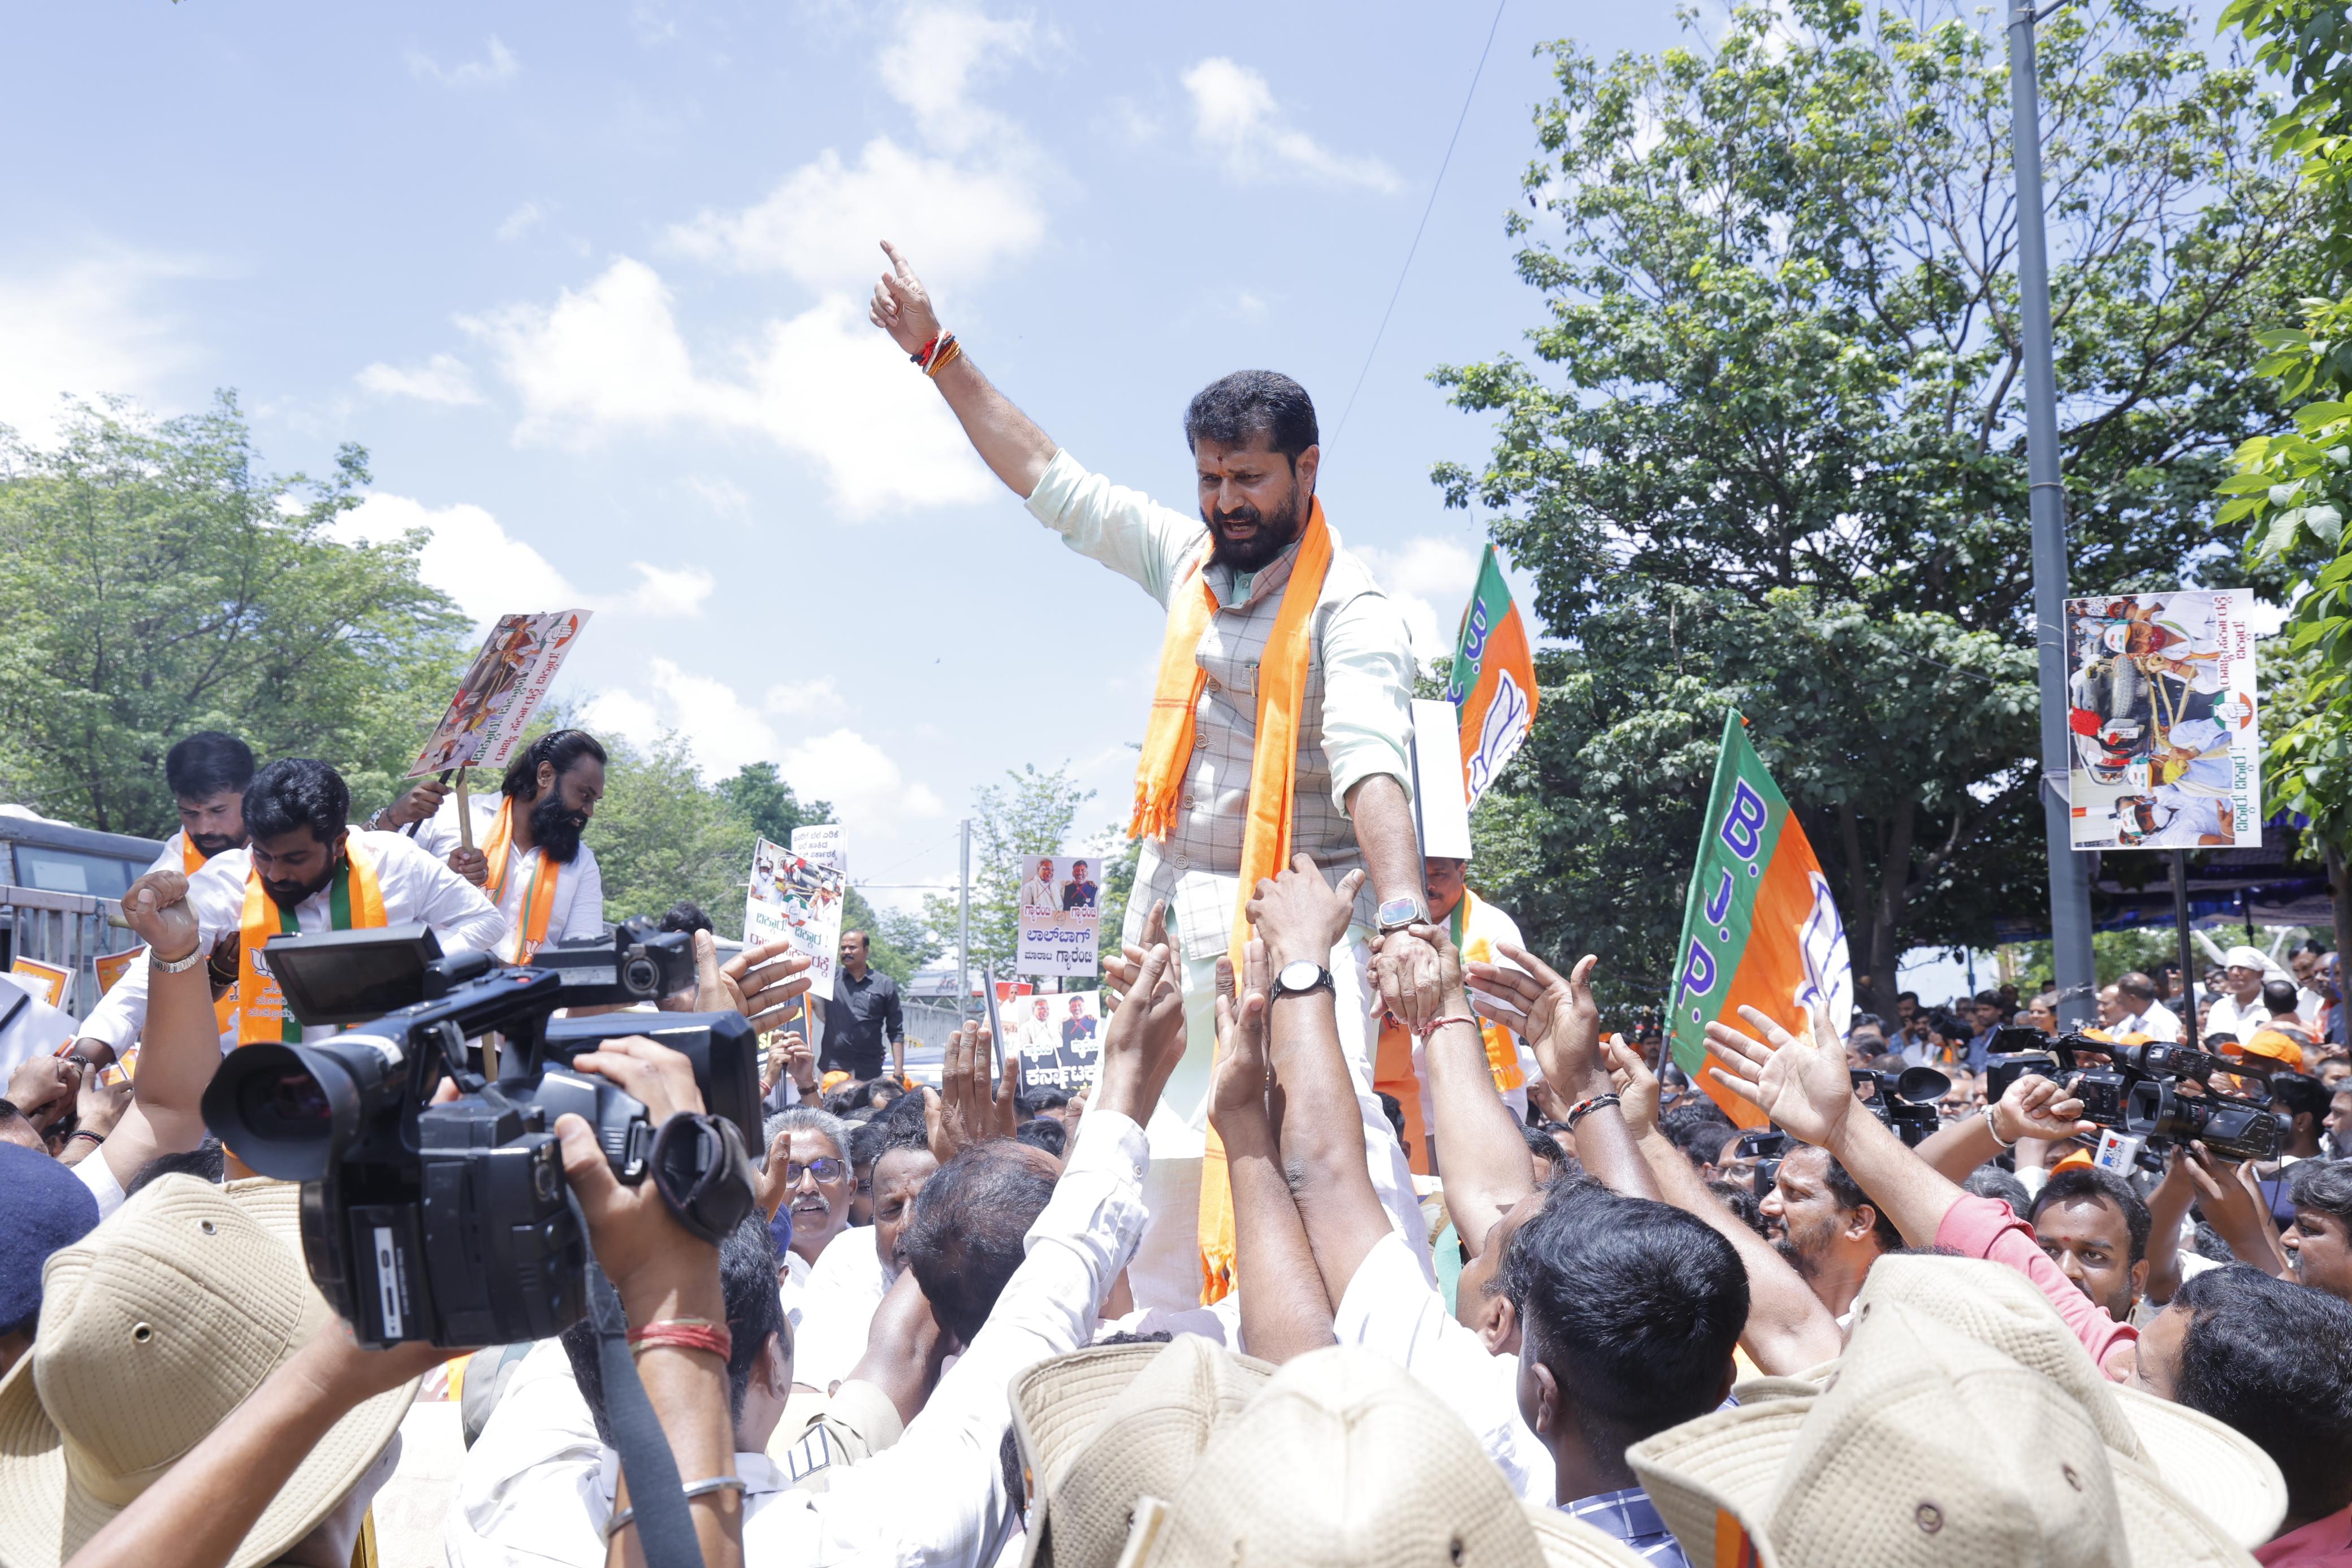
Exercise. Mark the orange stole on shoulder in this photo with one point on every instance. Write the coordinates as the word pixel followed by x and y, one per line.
pixel 1273 765
pixel 539 896
pixel 355 902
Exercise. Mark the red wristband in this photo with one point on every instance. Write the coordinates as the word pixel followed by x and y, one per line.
pixel 922 356
pixel 684 1334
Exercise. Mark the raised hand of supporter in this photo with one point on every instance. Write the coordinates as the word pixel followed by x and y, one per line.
pixel 761 982
pixel 653 1260
pixel 1637 1086
pixel 905 1347
pixel 1557 1018
pixel 788 1054
pixel 1298 915
pixel 974 1101
pixel 1143 1041
pixel 99 1104
pixel 471 864
pixel 2039 1108
pixel 1238 1085
pixel 44 1087
pixel 1803 1084
pixel 1119 968
pixel 772 1183
pixel 156 905
pixel 420 804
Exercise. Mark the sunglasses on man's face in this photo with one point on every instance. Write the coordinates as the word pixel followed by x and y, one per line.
pixel 824 1167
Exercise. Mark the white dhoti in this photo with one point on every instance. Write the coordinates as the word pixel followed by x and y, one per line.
pixel 1166 1271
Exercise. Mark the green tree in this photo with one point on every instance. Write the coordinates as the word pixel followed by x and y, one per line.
pixel 154 579
pixel 2291 490
pixel 662 835
pixel 1771 454
pixel 1013 824
pixel 770 804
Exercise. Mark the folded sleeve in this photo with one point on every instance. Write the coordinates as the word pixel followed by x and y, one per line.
pixel 1125 530
pixel 1368 671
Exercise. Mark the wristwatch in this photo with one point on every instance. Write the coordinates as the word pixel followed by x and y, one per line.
pixel 1300 976
pixel 1396 914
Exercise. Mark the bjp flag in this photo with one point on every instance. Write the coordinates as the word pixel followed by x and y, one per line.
pixel 1493 683
pixel 1760 928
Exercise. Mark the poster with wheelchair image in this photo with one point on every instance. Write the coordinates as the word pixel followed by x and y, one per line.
pixel 2162 721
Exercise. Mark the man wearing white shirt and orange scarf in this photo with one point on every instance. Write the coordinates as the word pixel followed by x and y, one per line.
pixel 206 773
pixel 1278 725
pixel 528 856
pixel 306 871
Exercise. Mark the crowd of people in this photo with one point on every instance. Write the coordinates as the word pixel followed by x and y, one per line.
pixel 1367 1243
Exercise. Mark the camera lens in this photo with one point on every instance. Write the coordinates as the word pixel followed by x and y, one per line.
pixel 283 1101
pixel 285 1109
pixel 639 975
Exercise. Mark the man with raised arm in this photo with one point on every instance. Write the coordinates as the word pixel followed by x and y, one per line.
pixel 1278 724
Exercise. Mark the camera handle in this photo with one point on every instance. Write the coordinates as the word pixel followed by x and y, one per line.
pixel 664 1526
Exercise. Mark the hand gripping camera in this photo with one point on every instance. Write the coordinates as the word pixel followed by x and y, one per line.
pixel 2152 1095
pixel 452 1222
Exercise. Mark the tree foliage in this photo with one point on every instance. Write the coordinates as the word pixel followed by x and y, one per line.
pixel 1770 450
pixel 155 580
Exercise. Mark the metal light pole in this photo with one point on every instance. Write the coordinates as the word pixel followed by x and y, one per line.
pixel 2070 874
pixel 963 926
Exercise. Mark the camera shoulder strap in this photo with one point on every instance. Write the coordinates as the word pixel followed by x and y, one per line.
pixel 664 1526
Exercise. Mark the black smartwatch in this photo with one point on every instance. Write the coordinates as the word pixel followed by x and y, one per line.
pixel 1299 978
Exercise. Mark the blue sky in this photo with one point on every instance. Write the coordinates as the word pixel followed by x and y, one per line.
pixel 588 282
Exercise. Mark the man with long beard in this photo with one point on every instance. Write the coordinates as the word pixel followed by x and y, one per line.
pixel 528 854
pixel 304 870
pixel 1278 725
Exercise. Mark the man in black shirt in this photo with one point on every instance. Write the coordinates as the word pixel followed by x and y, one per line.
pixel 863 1008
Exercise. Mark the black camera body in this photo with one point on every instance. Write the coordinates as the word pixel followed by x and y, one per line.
pixel 451 1222
pixel 2135 1091
pixel 1767 1147
pixel 1903 1100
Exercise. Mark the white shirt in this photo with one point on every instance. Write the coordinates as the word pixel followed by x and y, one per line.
pixel 837 1308
pixel 533 1487
pixel 416 887
pixel 1392 1309
pixel 2157 1023
pixel 1038 894
pixel 2230 1017
pixel 793 1288
pixel 579 907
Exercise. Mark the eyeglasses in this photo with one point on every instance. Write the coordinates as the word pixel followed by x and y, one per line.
pixel 824 1167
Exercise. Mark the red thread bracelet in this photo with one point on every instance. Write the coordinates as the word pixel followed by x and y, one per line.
pixel 685 1334
pixel 922 355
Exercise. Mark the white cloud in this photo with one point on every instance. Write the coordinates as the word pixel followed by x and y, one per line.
pixel 443 378
pixel 1429 580
pixel 809 699
pixel 858 777
pixel 499 65
pixel 88 328
pixel 821 225
pixel 724 496
pixel 930 63
pixel 1234 115
pixel 520 221
pixel 624 714
pixel 474 560
pixel 611 359
pixel 724 731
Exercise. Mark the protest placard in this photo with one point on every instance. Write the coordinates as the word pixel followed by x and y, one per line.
pixel 502 689
pixel 47 981
pixel 1059 1038
pixel 796 901
pixel 112 967
pixel 826 843
pixel 1060 916
pixel 2160 718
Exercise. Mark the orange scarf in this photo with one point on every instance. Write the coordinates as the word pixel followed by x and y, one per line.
pixel 538 895
pixel 1273 765
pixel 192 859
pixel 355 902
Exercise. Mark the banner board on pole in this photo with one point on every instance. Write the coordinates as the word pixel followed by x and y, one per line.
pixel 826 843
pixel 502 689
pixel 1059 1038
pixel 796 901
pixel 1060 916
pixel 2161 720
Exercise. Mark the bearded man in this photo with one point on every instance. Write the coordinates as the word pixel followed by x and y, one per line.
pixel 1279 724
pixel 529 857
pixel 305 869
